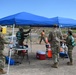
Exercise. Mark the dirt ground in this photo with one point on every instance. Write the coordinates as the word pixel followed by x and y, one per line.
pixel 41 67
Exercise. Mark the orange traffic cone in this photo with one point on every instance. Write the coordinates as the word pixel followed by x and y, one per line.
pixel 49 53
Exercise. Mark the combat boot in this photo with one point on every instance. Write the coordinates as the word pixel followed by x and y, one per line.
pixel 69 63
pixel 2 71
pixel 55 65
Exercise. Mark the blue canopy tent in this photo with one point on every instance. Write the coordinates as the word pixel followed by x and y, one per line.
pixel 63 22
pixel 24 18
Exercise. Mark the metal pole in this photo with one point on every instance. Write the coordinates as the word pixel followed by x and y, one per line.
pixel 9 61
pixel 13 31
pixel 11 45
pixel 30 41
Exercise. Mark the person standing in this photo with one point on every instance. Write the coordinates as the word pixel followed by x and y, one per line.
pixel 54 39
pixel 2 57
pixel 42 37
pixel 70 47
pixel 20 37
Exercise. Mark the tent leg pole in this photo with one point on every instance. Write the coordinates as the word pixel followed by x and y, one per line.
pixel 30 42
pixel 9 61
pixel 10 51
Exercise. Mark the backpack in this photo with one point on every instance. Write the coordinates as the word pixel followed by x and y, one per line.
pixel 73 41
pixel 18 35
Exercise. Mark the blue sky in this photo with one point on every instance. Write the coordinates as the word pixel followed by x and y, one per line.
pixel 46 8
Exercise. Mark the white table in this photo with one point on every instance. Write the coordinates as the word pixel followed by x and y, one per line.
pixel 26 53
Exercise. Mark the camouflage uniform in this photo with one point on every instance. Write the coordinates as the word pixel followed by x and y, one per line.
pixel 70 48
pixel 2 58
pixel 1 51
pixel 54 39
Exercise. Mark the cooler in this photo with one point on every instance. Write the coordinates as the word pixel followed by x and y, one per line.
pixel 41 55
pixel 63 55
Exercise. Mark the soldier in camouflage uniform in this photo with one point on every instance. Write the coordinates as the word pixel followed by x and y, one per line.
pixel 70 48
pixel 2 58
pixel 54 39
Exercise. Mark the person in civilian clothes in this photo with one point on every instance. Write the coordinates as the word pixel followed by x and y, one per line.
pixel 42 37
